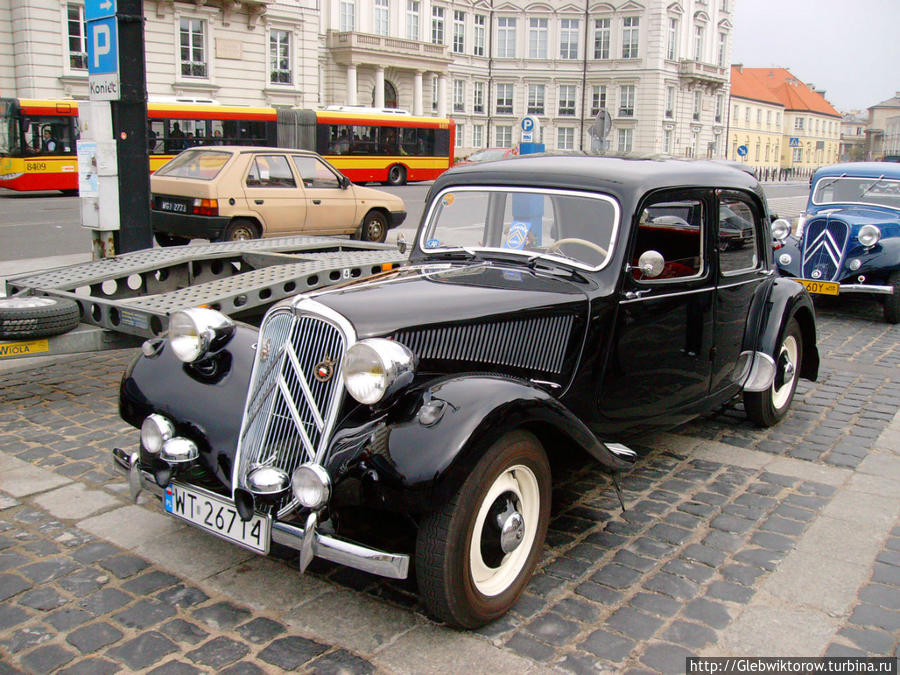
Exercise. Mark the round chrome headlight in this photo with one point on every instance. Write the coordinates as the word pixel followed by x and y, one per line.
pixel 194 332
pixel 868 235
pixel 311 485
pixel 375 368
pixel 781 229
pixel 155 431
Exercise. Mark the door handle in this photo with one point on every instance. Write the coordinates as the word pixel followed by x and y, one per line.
pixel 317 201
pixel 634 295
pixel 257 201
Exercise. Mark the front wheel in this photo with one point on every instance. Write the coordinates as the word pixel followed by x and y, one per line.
pixel 767 408
pixel 397 175
pixel 892 302
pixel 374 227
pixel 475 556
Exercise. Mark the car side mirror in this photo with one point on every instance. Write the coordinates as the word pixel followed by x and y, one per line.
pixel 650 264
pixel 345 182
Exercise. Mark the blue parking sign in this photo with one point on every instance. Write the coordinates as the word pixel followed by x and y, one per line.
pixel 103 46
pixel 99 9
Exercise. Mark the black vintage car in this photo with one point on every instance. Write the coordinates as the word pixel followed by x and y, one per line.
pixel 543 308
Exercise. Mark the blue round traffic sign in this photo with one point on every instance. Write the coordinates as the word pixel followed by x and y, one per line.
pixel 527 124
pixel 742 150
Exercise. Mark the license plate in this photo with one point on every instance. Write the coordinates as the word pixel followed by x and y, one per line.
pixel 219 516
pixel 172 206
pixel 821 287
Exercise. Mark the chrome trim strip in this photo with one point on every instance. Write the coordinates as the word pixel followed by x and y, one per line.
pixel 757 279
pixel 382 563
pixel 662 296
pixel 867 288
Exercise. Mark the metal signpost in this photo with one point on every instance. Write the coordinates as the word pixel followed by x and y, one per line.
pixel 531 131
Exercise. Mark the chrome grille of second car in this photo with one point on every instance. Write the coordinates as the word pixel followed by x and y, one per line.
pixel 824 240
pixel 293 395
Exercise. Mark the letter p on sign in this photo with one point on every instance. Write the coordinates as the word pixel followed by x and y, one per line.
pixel 101 43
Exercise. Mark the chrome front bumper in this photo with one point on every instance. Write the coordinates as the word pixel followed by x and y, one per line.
pixel 866 288
pixel 306 540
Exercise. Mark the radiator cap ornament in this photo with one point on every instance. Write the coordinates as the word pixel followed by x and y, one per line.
pixel 324 370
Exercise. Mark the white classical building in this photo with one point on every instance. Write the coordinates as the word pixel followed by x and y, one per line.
pixel 660 67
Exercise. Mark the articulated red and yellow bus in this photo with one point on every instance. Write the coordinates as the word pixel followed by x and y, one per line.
pixel 38 139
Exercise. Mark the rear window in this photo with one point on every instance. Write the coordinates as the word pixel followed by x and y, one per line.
pixel 198 164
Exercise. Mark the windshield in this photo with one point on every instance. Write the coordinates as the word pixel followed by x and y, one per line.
pixel 8 128
pixel 878 191
pixel 575 227
pixel 199 164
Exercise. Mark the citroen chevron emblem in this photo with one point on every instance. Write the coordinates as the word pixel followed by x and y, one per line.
pixel 824 248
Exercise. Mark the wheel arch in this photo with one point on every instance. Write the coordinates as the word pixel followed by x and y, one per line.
pixel 786 300
pixel 253 218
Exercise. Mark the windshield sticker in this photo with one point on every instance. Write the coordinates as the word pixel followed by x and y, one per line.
pixel 433 243
pixel 447 200
pixel 512 275
pixel 518 235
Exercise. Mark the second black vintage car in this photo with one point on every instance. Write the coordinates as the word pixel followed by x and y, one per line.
pixel 549 303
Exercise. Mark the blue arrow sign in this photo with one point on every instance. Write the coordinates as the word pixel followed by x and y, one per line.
pixel 99 9
pixel 742 150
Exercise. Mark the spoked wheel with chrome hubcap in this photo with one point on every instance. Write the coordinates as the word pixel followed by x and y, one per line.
pixel 475 556
pixel 766 408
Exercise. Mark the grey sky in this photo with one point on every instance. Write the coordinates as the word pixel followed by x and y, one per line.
pixel 849 48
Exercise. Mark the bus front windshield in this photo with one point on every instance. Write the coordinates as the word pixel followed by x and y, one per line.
pixel 9 137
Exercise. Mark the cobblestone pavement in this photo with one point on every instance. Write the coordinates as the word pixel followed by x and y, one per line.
pixel 736 540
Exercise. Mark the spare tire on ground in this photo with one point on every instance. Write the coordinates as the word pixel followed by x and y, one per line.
pixel 27 316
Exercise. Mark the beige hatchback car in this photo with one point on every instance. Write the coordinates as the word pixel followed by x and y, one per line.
pixel 227 193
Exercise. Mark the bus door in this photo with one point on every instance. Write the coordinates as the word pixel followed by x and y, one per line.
pixel 329 205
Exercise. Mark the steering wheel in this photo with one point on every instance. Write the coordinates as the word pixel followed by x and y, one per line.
pixel 576 240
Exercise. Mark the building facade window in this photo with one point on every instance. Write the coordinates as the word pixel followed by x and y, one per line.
pixel 504 135
pixel 459 31
pixel 412 19
pixel 381 18
pixel 348 16
pixel 537 38
pixel 630 37
pixel 699 33
pixel 280 57
pixel 460 135
pixel 567 99
pixel 736 113
pixel 77 37
pixel 768 118
pixel 193 47
pixel 435 85
pixel 667 141
pixel 747 115
pixel 720 108
pixel 601 38
pixel 799 123
pixel 670 103
pixel 759 116
pixel 478 97
pixel 536 99
pixel 565 138
pixel 568 38
pixel 798 155
pixel 698 104
pixel 672 40
pixel 477 135
pixel 505 99
pixel 626 100
pixel 598 98
pixel 626 139
pixel 506 37
pixel 459 95
pixel 437 25
pixel 723 47
pixel 480 22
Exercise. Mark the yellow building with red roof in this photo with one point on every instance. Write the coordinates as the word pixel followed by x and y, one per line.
pixel 782 123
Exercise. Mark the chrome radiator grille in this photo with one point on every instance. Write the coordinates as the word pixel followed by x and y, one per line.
pixel 290 411
pixel 824 241
pixel 536 344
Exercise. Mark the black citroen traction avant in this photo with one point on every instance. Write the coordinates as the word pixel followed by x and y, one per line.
pixel 548 303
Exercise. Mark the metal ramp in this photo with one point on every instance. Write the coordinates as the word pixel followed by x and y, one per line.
pixel 135 293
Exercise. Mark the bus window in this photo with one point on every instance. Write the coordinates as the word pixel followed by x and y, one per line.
pixel 364 140
pixel 338 139
pixel 9 130
pixel 387 141
pixel 46 135
pixel 154 137
pixel 409 142
pixel 426 141
pixel 253 133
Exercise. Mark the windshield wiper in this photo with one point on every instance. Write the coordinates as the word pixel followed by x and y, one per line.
pixel 825 184
pixel 871 187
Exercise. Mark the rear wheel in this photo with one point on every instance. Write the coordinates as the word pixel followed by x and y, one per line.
pixel 397 175
pixel 475 556
pixel 374 227
pixel 892 302
pixel 240 229
pixel 170 240
pixel 768 407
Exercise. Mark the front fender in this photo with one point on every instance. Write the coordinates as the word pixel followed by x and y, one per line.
pixel 415 467
pixel 787 299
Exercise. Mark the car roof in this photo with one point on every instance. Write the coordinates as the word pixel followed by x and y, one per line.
pixel 861 169
pixel 248 148
pixel 625 177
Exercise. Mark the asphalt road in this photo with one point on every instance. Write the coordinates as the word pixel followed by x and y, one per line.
pixel 42 224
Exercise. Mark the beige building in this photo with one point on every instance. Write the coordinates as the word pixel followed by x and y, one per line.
pixel 755 129
pixel 853 136
pixel 810 126
pixel 660 67
pixel 879 114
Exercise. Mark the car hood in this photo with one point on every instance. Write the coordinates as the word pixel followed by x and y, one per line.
pixel 378 197
pixel 476 316
pixel 857 214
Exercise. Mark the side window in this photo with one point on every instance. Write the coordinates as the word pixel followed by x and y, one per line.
pixel 738 246
pixel 675 229
pixel 270 171
pixel 315 173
